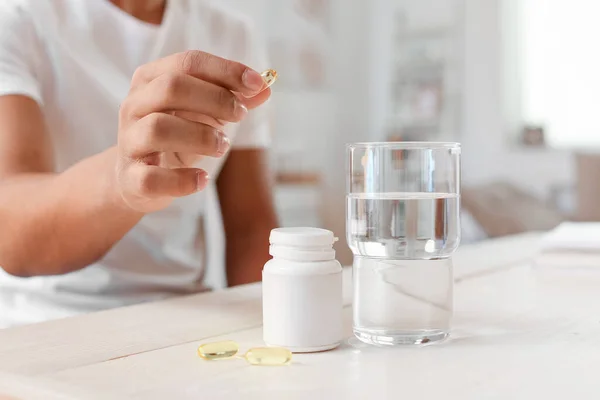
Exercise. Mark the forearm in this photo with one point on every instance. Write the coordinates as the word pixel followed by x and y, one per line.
pixel 244 188
pixel 247 254
pixel 58 223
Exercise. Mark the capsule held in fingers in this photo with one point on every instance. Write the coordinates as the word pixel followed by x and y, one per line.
pixel 269 76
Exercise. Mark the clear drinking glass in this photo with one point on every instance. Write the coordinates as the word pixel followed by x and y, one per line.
pixel 402 224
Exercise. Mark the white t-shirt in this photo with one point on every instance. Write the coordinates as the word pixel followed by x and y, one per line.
pixel 76 58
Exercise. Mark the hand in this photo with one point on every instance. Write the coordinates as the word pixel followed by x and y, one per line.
pixel 173 115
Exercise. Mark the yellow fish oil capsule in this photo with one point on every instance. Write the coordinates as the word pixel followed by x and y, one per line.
pixel 269 76
pixel 271 356
pixel 218 350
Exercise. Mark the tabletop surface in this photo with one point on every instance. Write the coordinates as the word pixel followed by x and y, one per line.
pixel 519 332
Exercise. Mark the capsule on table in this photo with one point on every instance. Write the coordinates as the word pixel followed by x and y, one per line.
pixel 218 350
pixel 269 356
pixel 269 76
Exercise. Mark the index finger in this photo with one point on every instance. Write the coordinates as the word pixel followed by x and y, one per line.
pixel 229 74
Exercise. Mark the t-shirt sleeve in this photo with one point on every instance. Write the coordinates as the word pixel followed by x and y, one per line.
pixel 255 130
pixel 20 50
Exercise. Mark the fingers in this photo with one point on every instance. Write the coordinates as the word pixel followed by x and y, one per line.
pixel 204 119
pixel 250 103
pixel 180 92
pixel 147 185
pixel 258 100
pixel 228 74
pixel 152 182
pixel 158 132
pixel 178 106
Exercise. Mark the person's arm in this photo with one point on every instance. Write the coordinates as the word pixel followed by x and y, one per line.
pixel 52 223
pixel 57 223
pixel 246 202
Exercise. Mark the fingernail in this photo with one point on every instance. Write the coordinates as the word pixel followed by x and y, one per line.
pixel 223 143
pixel 201 179
pixel 252 80
pixel 240 110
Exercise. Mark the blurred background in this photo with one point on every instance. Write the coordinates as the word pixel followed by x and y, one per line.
pixel 515 81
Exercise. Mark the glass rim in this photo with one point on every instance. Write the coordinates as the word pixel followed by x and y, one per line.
pixel 405 145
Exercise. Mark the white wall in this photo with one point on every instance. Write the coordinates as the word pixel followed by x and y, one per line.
pixel 489 148
pixel 361 34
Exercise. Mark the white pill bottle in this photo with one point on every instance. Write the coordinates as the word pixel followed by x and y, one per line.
pixel 302 291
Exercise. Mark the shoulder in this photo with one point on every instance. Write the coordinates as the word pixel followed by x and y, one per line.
pixel 15 5
pixel 42 14
pixel 31 9
pixel 20 15
pixel 14 10
pixel 16 22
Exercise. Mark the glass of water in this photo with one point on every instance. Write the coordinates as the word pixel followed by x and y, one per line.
pixel 402 224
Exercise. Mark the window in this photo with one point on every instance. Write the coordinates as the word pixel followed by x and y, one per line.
pixel 559 63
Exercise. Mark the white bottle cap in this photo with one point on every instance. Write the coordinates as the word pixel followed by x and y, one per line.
pixel 302 237
pixel 306 244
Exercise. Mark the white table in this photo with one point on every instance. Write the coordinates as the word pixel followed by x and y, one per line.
pixel 520 332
